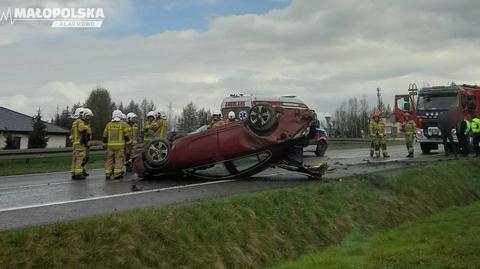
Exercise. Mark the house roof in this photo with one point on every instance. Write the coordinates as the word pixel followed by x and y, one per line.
pixel 17 122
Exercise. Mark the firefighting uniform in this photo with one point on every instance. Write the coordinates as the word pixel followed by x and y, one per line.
pixel 409 127
pixel 377 132
pixel 132 131
pixel 147 134
pixel 77 135
pixel 159 128
pixel 475 126
pixel 216 123
pixel 114 136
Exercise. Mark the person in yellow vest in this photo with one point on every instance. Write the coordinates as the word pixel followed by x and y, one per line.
pixel 217 120
pixel 463 134
pixel 87 114
pixel 475 126
pixel 377 132
pixel 132 130
pixel 79 135
pixel 164 126
pixel 147 134
pixel 409 127
pixel 115 136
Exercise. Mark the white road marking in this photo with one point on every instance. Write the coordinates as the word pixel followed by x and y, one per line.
pixel 116 195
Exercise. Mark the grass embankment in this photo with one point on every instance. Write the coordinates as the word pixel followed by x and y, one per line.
pixel 450 239
pixel 245 231
pixel 10 167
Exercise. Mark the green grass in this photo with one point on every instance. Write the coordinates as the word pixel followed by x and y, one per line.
pixel 245 231
pixel 10 167
pixel 450 239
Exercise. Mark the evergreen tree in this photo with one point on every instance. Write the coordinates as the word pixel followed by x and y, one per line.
pixel 188 121
pixel 101 105
pixel 38 137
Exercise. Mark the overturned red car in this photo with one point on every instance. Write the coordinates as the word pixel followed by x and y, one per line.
pixel 274 134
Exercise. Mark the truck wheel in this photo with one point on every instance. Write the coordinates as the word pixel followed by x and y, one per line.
pixel 157 152
pixel 425 148
pixel 262 118
pixel 321 148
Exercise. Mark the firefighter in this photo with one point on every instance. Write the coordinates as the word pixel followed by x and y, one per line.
pixel 163 126
pixel 409 127
pixel 377 133
pixel 115 136
pixel 132 130
pixel 231 117
pixel 79 136
pixel 87 114
pixel 147 136
pixel 156 126
pixel 216 120
pixel 447 122
pixel 463 135
pixel 475 125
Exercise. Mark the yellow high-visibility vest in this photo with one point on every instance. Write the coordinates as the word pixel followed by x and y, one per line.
pixel 475 125
pixel 115 134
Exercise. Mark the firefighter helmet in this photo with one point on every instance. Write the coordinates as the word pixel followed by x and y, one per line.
pixel 78 112
pixel 117 115
pixel 131 116
pixel 231 115
pixel 151 114
pixel 87 113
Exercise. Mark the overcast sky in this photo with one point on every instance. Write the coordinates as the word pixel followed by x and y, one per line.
pixel 201 50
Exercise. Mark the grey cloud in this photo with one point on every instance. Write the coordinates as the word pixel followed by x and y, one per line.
pixel 322 51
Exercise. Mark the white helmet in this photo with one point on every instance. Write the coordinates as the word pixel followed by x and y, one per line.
pixel 217 112
pixel 151 114
pixel 231 115
pixel 131 116
pixel 87 112
pixel 158 114
pixel 78 112
pixel 117 115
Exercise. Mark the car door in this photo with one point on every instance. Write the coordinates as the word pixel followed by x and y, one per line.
pixel 196 149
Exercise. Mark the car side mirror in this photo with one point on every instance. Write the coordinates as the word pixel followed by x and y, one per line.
pixel 406 107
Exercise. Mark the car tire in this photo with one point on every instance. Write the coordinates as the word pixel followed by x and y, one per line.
pixel 157 153
pixel 425 148
pixel 262 118
pixel 321 148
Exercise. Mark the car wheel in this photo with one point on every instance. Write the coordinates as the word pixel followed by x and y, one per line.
pixel 321 148
pixel 262 118
pixel 157 152
pixel 425 148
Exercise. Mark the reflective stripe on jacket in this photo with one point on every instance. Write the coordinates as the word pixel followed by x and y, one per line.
pixel 115 135
pixel 377 128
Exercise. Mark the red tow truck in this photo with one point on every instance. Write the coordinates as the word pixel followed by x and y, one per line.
pixel 426 104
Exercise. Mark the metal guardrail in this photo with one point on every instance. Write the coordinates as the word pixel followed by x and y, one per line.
pixel 11 152
pixel 50 152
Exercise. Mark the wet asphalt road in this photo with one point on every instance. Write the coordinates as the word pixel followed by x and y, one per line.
pixel 46 198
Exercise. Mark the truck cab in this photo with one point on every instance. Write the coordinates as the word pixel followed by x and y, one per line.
pixel 432 102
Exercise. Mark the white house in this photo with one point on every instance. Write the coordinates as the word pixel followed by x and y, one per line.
pixel 20 125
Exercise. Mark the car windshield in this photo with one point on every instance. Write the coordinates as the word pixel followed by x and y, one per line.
pixel 433 102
